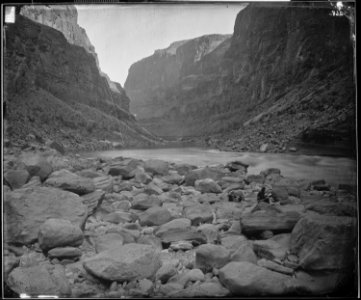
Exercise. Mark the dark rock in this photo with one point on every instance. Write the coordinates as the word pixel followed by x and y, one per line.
pixel 16 178
pixel 58 147
pixel 65 252
pixel 207 186
pixel 155 216
pixel 144 201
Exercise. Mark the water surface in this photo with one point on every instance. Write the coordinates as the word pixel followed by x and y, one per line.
pixel 334 170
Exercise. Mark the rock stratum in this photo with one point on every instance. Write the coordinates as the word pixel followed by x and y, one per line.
pixel 55 90
pixel 284 78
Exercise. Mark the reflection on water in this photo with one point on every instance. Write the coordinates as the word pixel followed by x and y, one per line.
pixel 333 170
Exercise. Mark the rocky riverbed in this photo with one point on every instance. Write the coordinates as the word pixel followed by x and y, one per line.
pixel 122 227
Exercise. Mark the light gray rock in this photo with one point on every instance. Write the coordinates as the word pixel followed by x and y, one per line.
pixel 144 201
pixel 201 213
pixel 247 279
pixel 65 252
pixel 155 216
pixel 211 256
pixel 16 178
pixel 66 180
pixel 59 233
pixel 104 183
pixel 207 185
pixel 165 272
pixel 26 209
pixel 108 241
pixel 129 262
pixel 93 200
pixel 156 167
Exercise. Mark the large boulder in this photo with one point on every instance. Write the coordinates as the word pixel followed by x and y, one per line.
pixel 199 214
pixel 59 233
pixel 126 263
pixel 44 279
pixel 156 167
pixel 66 180
pixel 247 279
pixel 207 185
pixel 325 242
pixel 155 216
pixel 262 220
pixel 210 256
pixel 25 210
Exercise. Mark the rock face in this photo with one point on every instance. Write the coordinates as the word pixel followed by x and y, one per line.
pixel 53 82
pixel 324 242
pixel 286 62
pixel 25 210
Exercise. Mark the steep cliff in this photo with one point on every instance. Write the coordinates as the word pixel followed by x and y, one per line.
pixel 285 76
pixel 53 89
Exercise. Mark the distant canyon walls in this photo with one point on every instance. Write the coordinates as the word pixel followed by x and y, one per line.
pixel 287 72
pixel 54 87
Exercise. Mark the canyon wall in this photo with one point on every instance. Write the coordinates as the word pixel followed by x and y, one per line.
pixel 55 90
pixel 285 75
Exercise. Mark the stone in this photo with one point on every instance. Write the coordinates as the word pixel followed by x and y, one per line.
pixel 156 167
pixel 129 235
pixel 144 201
pixel 152 189
pixel 121 170
pixel 331 208
pixel 175 225
pixel 193 276
pixel 247 279
pixel 280 194
pixel 199 214
pixel 173 178
pixel 32 258
pixel 59 233
pixel 269 249
pixel 203 173
pixel 268 264
pixel 104 183
pixel 33 182
pixel 127 263
pixel 244 253
pixel 45 279
pixel 25 210
pixel 210 231
pixel 265 235
pixel 237 165
pixel 141 176
pixel 66 180
pixel 155 216
pixel 9 263
pixel 165 272
pixel 205 289
pixel 233 242
pixel 93 200
pixel 209 256
pixel 255 178
pixel 16 178
pixel 89 173
pixel 263 147
pixel 57 146
pixel 207 185
pixel 270 171
pixel 150 240
pixel 181 245
pixel 64 252
pixel 119 217
pixel 108 241
pixel 324 242
pixel 236 196
pixel 262 220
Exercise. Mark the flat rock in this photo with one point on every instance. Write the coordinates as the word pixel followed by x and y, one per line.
pixel 59 233
pixel 64 252
pixel 66 180
pixel 144 201
pixel 156 167
pixel 104 183
pixel 199 214
pixel 244 253
pixel 207 185
pixel 108 241
pixel 332 208
pixel 268 264
pixel 165 272
pixel 214 173
pixel 155 216
pixel 26 209
pixel 269 249
pixel 129 262
pixel 262 220
pixel 324 242
pixel 93 200
pixel 247 279
pixel 43 279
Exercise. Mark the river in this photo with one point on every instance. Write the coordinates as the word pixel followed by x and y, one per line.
pixel 335 170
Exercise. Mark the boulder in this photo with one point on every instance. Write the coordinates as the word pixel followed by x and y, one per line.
pixel 37 165
pixel 237 165
pixel 269 249
pixel 34 181
pixel 324 242
pixel 209 289
pixel 108 241
pixel 233 242
pixel 57 146
pixel 199 214
pixel 59 233
pixel 173 178
pixel 66 180
pixel 247 279
pixel 126 263
pixel 207 185
pixel 119 217
pixel 16 178
pixel 44 279
pixel 268 264
pixel 244 253
pixel 211 256
pixel 210 231
pixel 118 169
pixel 156 167
pixel 141 176
pixel 155 216
pixel 143 201
pixel 332 208
pixel 26 209
pixel 262 220
pixel 214 173
pixel 280 193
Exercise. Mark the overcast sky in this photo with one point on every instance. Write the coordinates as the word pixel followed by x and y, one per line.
pixel 123 34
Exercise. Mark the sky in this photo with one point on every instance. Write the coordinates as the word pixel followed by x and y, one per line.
pixel 125 33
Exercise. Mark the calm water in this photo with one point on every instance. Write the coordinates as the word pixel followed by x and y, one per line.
pixel 333 170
